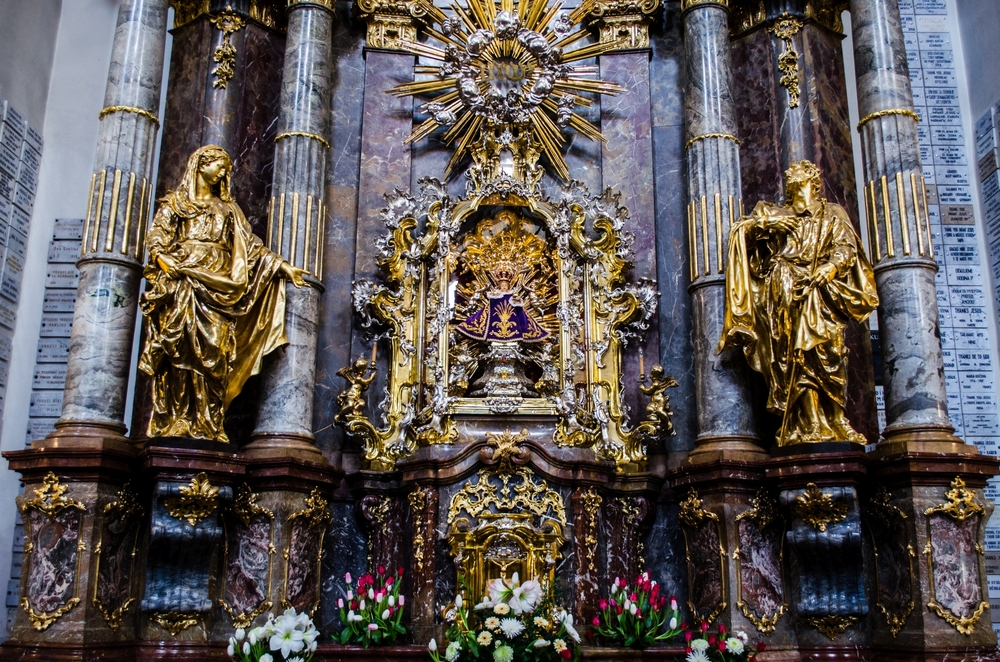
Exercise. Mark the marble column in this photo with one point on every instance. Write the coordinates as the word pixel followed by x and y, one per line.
pixel 121 195
pixel 725 417
pixel 916 404
pixel 295 230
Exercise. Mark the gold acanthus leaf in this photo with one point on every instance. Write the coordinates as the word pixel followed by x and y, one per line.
pixel 961 504
pixel 818 509
pixel 196 502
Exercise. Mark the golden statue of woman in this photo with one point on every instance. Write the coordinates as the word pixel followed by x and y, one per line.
pixel 214 304
pixel 797 274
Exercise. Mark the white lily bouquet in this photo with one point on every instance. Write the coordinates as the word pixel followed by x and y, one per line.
pixel 514 621
pixel 290 637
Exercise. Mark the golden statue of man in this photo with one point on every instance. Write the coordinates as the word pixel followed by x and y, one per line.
pixel 214 304
pixel 797 273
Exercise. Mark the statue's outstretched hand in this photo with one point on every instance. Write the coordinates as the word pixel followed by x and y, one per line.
pixel 293 274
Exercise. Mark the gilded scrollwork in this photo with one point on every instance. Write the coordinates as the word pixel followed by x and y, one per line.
pixel 785 28
pixel 508 520
pixel 197 500
pixel 418 502
pixel 624 23
pixel 174 622
pixel 304 554
pixel 591 506
pixel 227 22
pixel 832 626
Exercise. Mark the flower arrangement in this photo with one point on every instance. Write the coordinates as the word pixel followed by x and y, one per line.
pixel 635 615
pixel 290 637
pixel 514 621
pixel 372 616
pixel 721 647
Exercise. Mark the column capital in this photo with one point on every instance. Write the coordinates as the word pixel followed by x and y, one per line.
pixel 389 22
pixel 695 4
pixel 267 13
pixel 624 23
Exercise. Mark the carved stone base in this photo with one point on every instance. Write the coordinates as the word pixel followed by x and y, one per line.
pixel 739 449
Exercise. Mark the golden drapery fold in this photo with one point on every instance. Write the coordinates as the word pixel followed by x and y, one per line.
pixel 791 332
pixel 211 322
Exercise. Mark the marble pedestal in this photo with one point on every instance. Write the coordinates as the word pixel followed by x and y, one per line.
pixel 733 548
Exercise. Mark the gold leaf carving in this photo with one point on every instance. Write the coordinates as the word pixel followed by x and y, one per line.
pixel 174 622
pixel 832 626
pixel 50 498
pixel 818 508
pixel 196 502
pixel 961 504
pixel 692 513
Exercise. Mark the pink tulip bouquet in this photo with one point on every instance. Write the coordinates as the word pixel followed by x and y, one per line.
pixel 636 615
pixel 373 615
pixel 514 621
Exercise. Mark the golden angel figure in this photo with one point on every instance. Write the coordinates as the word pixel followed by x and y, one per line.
pixel 214 304
pixel 797 273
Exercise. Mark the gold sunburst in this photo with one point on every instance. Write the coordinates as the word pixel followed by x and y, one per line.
pixel 513 64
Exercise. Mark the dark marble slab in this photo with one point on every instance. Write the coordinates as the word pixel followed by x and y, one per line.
pixel 333 348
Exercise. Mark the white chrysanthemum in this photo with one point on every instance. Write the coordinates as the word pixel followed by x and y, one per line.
pixel 484 638
pixel 697 656
pixel 492 623
pixel 452 652
pixel 734 646
pixel 511 627
pixel 503 654
pixel 699 645
pixel 503 609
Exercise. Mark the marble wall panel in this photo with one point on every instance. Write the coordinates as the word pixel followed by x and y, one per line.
pixel 663 551
pixel 706 592
pixel 52 563
pixel 666 81
pixel 760 567
pixel 342 181
pixel 248 563
pixel 345 552
pixel 955 562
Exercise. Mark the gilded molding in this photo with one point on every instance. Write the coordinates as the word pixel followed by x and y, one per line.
pixel 785 28
pixel 50 500
pixel 228 22
pixel 624 24
pixel 886 113
pixel 706 136
pixel 692 513
pixel 694 4
pixel 745 16
pixel 129 109
pixel 197 501
pixel 267 13
pixel 303 134
pixel 818 508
